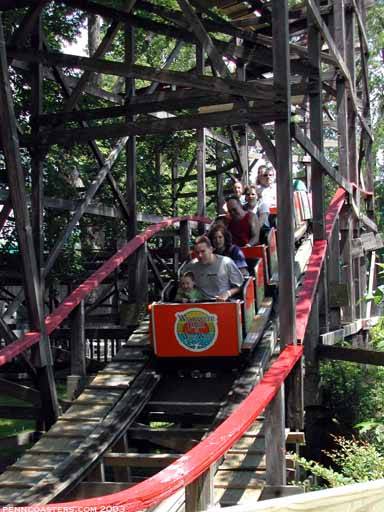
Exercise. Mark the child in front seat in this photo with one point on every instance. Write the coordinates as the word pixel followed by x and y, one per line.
pixel 187 291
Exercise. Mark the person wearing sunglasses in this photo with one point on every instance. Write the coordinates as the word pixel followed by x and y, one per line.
pixel 266 185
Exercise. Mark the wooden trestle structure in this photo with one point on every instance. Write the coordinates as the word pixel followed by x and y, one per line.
pixel 262 73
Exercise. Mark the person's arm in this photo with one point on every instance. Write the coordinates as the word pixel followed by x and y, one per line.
pixel 224 296
pixel 254 226
pixel 235 279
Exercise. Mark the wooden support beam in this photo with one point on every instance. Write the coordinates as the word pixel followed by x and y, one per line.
pixel 140 460
pixel 196 26
pixel 199 495
pixel 265 142
pixel 159 126
pixel 169 101
pixel 316 127
pixel 257 90
pixel 27 24
pixel 334 276
pixel 93 188
pixel 285 238
pixel 4 213
pixel 275 441
pixel 76 380
pixel 314 151
pixel 354 355
pixel 16 183
pixel 339 58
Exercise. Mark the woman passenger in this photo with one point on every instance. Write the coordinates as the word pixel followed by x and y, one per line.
pixel 256 205
pixel 221 240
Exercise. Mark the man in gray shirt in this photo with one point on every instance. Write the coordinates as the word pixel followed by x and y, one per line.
pixel 216 276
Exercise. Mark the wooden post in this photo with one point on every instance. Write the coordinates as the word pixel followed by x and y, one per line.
pixel 346 230
pixel 219 179
pixel 311 342
pixel 334 262
pixel 275 441
pixel 243 132
pixel 316 132
pixel 353 160
pixel 31 273
pixel 285 208
pixel 199 494
pixel 77 379
pixel 138 262
pixel 344 161
pixel 184 240
pixel 200 150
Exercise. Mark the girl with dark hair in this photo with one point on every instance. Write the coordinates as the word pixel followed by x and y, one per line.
pixel 221 240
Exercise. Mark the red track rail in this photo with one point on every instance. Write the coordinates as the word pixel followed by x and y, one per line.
pixel 195 462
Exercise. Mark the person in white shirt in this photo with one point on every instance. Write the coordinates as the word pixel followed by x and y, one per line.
pixel 266 185
pixel 217 277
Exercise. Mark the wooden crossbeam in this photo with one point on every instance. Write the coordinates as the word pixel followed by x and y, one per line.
pixel 265 142
pixel 204 39
pixel 255 90
pixel 158 126
pixel 144 104
pixel 354 355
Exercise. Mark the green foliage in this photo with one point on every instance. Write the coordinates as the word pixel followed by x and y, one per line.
pixel 355 461
pixel 352 392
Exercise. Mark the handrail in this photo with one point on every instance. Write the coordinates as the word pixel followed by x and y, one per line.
pixel 367 496
pixel 53 320
pixel 195 462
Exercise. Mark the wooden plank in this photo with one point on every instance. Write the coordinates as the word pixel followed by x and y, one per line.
pixel 159 126
pixel 353 355
pixel 238 479
pixel 333 337
pixel 168 101
pixel 199 495
pixel 258 325
pixel 205 408
pixel 257 90
pixel 86 454
pixel 275 441
pixel 95 489
pixel 140 460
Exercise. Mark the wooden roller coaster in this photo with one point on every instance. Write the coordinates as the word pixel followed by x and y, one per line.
pixel 265 78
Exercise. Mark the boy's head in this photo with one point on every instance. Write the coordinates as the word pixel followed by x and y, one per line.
pixel 187 281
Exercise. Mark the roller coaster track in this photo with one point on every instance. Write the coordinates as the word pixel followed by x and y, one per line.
pixel 132 392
